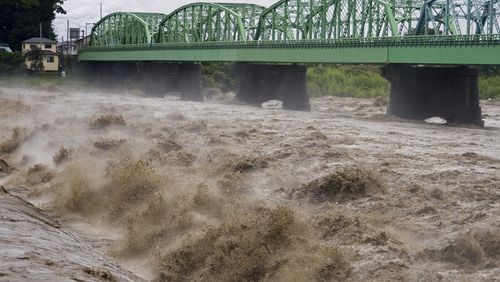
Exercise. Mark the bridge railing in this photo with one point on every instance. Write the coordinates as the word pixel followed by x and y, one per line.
pixel 374 42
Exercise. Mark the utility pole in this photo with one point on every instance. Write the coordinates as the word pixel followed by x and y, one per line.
pixel 86 25
pixel 40 36
pixel 61 63
pixel 67 38
pixel 101 10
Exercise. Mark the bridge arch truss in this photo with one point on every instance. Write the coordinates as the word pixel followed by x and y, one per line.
pixel 327 19
pixel 331 19
pixel 450 17
pixel 200 22
pixel 123 28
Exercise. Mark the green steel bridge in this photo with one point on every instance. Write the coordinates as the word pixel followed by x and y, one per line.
pixel 428 49
pixel 435 32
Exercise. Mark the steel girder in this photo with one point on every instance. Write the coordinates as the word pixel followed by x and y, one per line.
pixel 250 16
pixel 327 19
pixel 474 16
pixel 454 17
pixel 301 31
pixel 330 19
pixel 431 50
pixel 301 19
pixel 200 22
pixel 126 28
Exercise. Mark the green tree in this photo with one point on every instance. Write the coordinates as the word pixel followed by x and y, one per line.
pixel 35 57
pixel 351 81
pixel 20 19
pixel 11 62
pixel 219 75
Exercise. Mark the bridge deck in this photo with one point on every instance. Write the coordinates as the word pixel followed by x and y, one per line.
pixel 446 50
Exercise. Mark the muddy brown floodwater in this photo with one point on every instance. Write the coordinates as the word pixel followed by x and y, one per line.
pixel 115 186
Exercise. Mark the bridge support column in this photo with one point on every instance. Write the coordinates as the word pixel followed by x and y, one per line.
pixel 87 70
pixel 126 72
pixel 160 78
pixel 109 74
pixel 260 83
pixel 190 82
pixel 104 76
pixel 451 93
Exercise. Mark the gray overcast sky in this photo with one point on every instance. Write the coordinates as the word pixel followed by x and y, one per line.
pixel 87 11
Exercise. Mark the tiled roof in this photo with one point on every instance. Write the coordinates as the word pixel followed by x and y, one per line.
pixel 42 40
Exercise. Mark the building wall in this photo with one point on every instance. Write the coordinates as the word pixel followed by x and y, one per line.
pixel 47 66
pixel 52 66
pixel 27 47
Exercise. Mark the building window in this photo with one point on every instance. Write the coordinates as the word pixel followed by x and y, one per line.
pixel 48 46
pixel 33 47
pixel 50 59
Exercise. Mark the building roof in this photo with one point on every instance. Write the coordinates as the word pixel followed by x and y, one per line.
pixel 64 43
pixel 83 39
pixel 42 40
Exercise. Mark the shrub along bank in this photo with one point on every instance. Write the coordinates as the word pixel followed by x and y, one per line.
pixel 366 81
pixel 352 81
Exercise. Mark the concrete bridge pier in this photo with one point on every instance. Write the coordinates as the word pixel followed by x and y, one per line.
pixel 126 72
pixel 294 89
pixel 103 74
pixel 87 70
pixel 160 78
pixel 109 74
pixel 190 82
pixel 250 91
pixel 451 93
pixel 260 83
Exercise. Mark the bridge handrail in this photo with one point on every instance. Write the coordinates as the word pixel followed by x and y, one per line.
pixel 368 42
